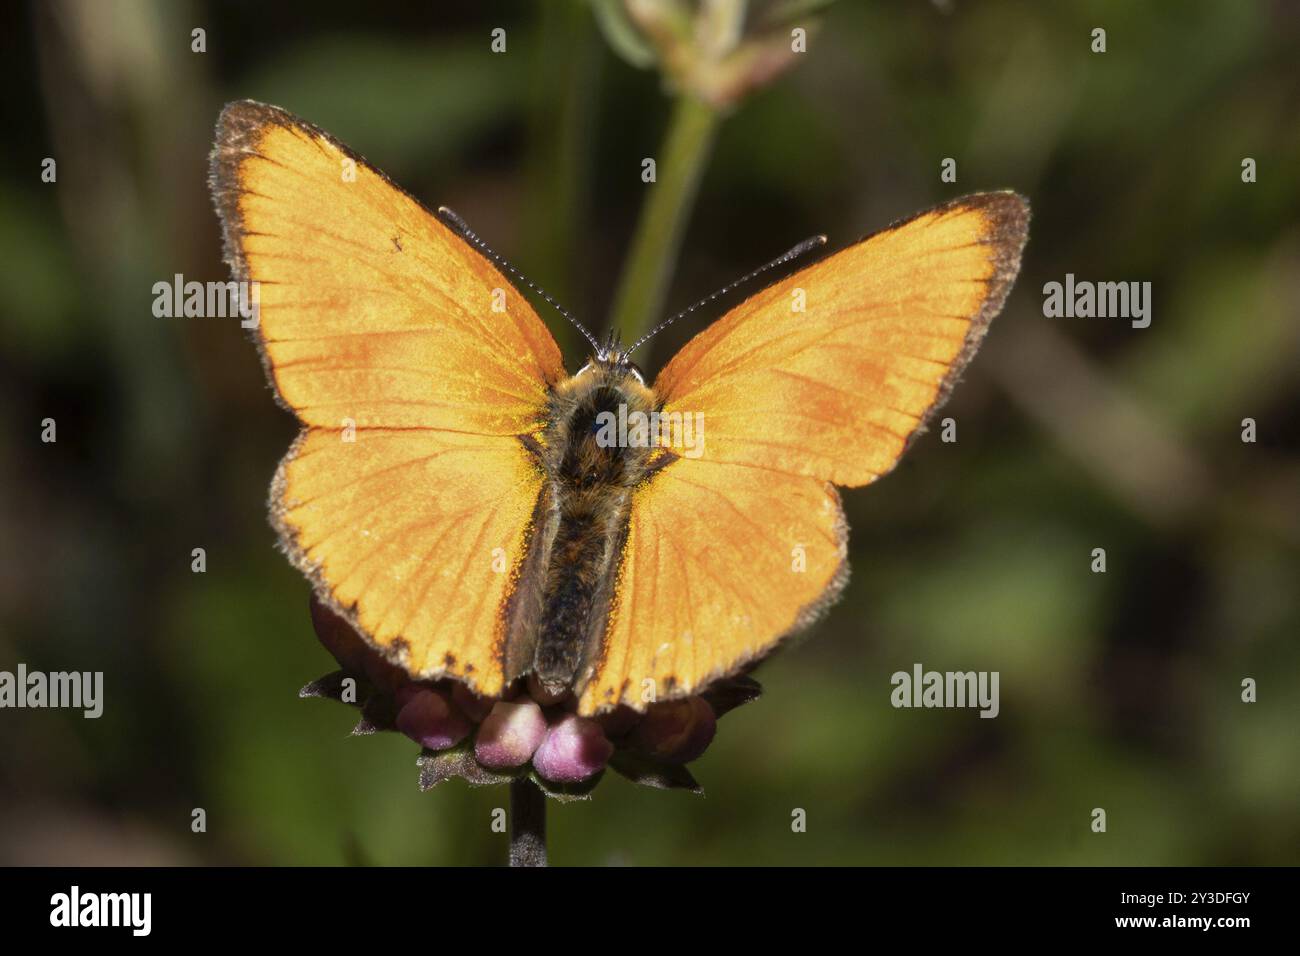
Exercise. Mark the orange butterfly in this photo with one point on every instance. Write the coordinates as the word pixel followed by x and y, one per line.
pixel 456 495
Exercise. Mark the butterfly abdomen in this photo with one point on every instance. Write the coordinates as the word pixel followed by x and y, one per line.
pixel 590 485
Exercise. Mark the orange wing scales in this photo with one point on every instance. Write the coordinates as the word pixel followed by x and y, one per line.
pixel 419 525
pixel 721 562
pixel 822 378
pixel 415 367
pixel 837 390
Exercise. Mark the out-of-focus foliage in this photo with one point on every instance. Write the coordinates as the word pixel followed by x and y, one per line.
pixel 1119 690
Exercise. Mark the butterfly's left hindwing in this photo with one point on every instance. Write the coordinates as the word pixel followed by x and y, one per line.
pixel 418 534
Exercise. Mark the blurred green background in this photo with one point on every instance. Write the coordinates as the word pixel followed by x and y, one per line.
pixel 1119 690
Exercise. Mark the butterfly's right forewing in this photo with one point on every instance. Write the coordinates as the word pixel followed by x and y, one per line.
pixel 821 379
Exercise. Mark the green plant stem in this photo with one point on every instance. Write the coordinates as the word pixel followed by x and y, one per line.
pixel 643 287
pixel 527 824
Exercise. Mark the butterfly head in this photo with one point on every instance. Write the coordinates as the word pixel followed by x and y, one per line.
pixel 612 361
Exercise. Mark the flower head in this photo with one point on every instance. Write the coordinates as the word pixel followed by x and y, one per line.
pixel 525 733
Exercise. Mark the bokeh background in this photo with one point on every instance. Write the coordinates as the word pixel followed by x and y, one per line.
pixel 1119 690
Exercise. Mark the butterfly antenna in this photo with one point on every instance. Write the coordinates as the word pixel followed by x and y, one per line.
pixel 808 245
pixel 461 226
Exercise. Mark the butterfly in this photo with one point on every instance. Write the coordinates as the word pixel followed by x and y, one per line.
pixel 454 493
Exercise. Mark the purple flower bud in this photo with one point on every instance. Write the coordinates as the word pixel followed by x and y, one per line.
pixel 405 692
pixel 510 734
pixel 339 638
pixel 619 721
pixel 473 706
pixel 351 650
pixel 429 719
pixel 574 748
pixel 677 731
pixel 385 676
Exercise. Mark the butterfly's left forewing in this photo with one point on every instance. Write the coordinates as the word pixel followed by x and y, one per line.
pixel 821 379
pixel 415 368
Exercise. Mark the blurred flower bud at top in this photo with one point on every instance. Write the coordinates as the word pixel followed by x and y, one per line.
pixel 676 731
pixel 510 735
pixel 574 748
pixel 716 50
pixel 429 719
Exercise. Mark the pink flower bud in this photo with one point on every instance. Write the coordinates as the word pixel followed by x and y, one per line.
pixel 574 748
pixel 429 719
pixel 677 731
pixel 473 706
pixel 510 734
